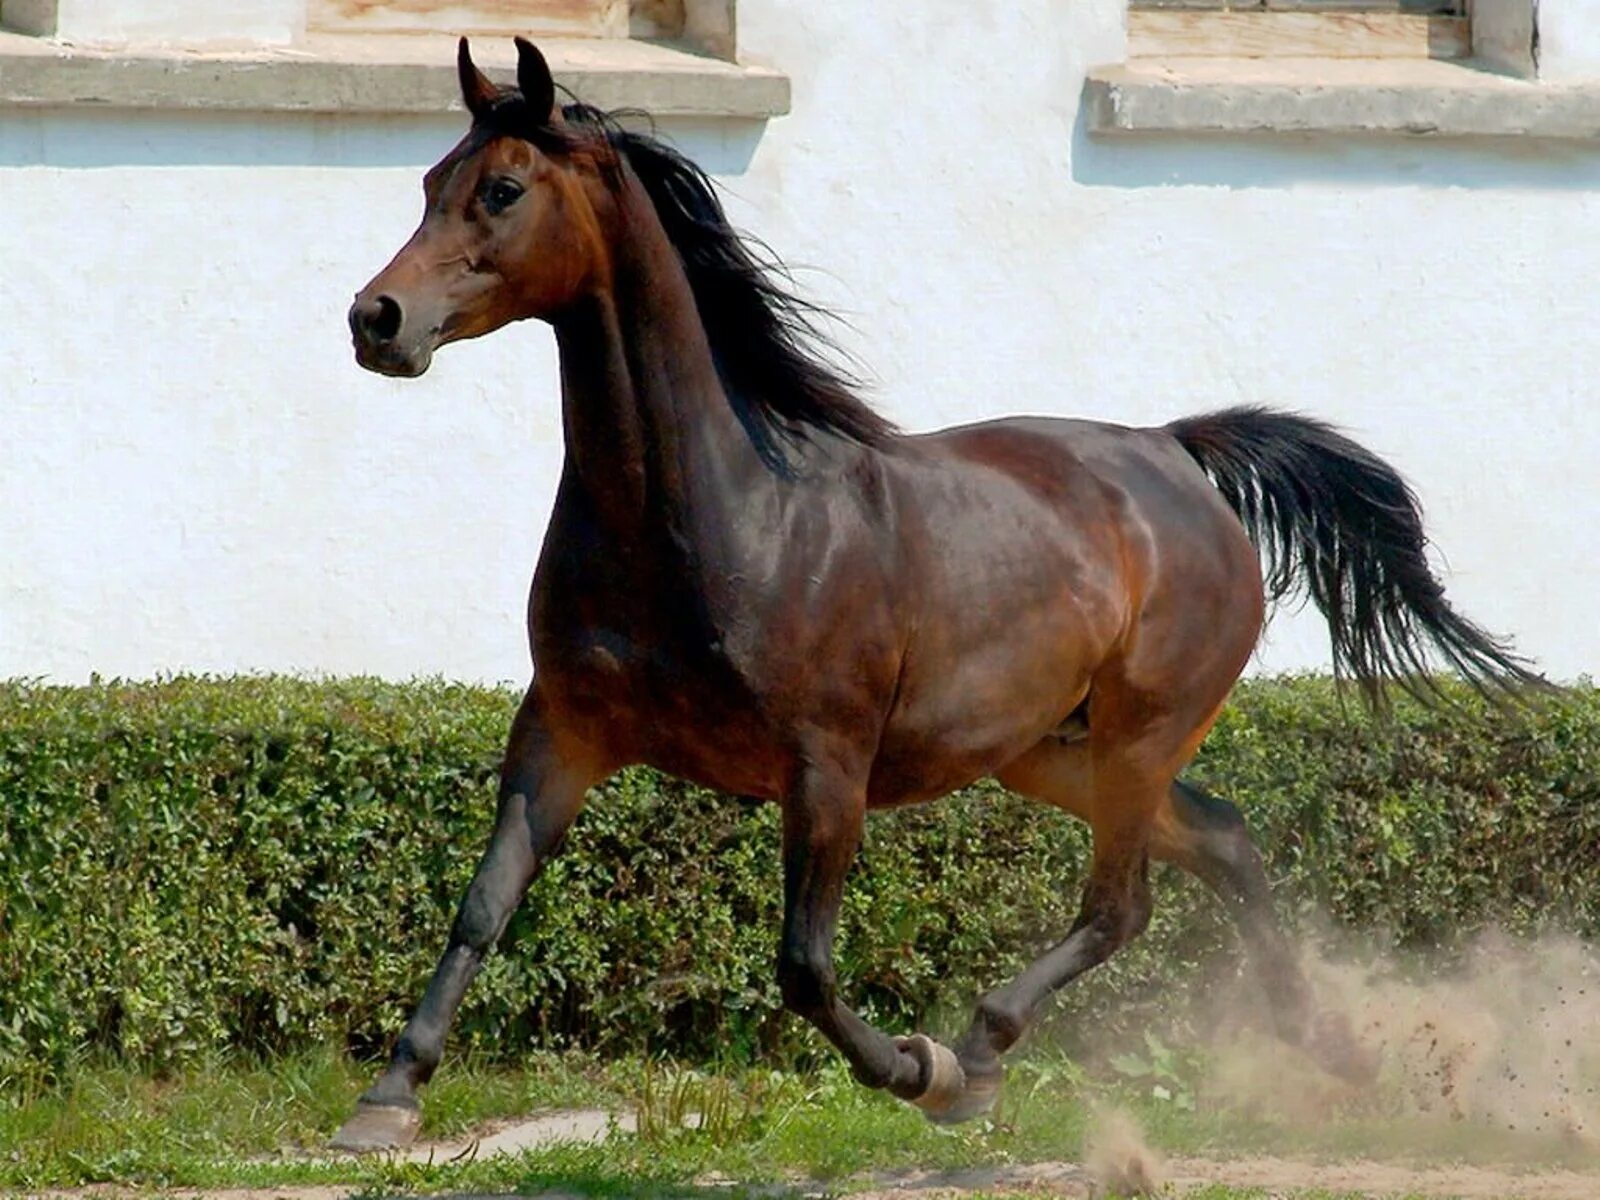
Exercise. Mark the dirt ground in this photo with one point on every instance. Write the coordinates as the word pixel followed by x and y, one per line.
pixel 1278 1176
pixel 1275 1175
pixel 1129 1165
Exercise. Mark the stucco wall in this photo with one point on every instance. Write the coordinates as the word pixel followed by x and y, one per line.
pixel 194 475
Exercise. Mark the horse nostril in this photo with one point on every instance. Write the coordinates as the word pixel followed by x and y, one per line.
pixel 386 322
pixel 376 320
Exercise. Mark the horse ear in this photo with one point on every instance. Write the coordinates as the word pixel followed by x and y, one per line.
pixel 476 90
pixel 533 77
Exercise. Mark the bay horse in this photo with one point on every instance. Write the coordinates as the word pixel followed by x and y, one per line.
pixel 752 580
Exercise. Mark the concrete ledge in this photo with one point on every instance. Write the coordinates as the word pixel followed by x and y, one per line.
pixel 1420 98
pixel 376 74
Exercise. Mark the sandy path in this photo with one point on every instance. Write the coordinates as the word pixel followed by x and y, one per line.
pixel 1383 1179
pixel 1275 1175
pixel 1278 1176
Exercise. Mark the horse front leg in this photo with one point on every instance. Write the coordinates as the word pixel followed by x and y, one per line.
pixel 542 787
pixel 822 823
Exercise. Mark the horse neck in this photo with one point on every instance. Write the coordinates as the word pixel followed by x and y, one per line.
pixel 649 431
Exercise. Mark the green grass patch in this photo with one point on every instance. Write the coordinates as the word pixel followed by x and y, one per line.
pixel 240 1124
pixel 202 1125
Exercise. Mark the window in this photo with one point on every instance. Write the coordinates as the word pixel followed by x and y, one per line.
pixel 1298 28
pixel 648 19
pixel 704 25
pixel 668 57
pixel 1347 68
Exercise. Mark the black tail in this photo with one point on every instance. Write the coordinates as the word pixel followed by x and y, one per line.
pixel 1333 520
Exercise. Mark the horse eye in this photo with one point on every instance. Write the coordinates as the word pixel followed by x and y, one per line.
pixel 499 196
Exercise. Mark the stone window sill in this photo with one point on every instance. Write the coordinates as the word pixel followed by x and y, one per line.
pixel 379 73
pixel 1347 97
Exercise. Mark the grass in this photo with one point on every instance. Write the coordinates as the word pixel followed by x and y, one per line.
pixel 243 1124
pixel 109 1122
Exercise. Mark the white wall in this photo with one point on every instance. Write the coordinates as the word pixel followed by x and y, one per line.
pixel 172 22
pixel 194 475
pixel 1569 40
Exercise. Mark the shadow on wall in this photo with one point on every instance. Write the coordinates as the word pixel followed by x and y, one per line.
pixel 122 138
pixel 1267 161
pixel 86 139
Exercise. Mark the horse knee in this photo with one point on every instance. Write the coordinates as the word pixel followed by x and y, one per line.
pixel 807 985
pixel 479 922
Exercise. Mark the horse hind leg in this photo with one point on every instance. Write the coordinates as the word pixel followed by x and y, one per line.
pixel 1120 799
pixel 1207 836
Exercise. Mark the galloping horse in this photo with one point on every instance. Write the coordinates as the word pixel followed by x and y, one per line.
pixel 752 580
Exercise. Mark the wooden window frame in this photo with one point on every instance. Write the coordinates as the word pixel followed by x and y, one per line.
pixel 1497 34
pixel 1172 32
pixel 703 25
pixel 698 26
pixel 475 18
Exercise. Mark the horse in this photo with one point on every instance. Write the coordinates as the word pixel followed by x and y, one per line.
pixel 753 580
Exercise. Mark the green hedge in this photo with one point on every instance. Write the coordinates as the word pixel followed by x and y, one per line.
pixel 267 863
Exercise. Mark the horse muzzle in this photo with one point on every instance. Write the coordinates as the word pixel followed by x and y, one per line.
pixel 382 341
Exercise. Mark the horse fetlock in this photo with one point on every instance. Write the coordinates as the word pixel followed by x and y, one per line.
pixel 982 1069
pixel 996 1027
pixel 396 1087
pixel 415 1058
pixel 1288 999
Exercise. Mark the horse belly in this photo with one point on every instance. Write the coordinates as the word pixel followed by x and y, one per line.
pixel 962 716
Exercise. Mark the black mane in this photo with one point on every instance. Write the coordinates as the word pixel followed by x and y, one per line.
pixel 769 348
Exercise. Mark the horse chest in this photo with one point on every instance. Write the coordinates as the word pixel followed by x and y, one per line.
pixel 671 662
pixel 666 698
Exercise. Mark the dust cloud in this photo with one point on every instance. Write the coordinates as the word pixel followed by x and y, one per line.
pixel 1508 1040
pixel 1119 1159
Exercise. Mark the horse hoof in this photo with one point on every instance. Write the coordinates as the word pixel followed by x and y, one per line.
pixel 377 1127
pixel 975 1100
pixel 948 1097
